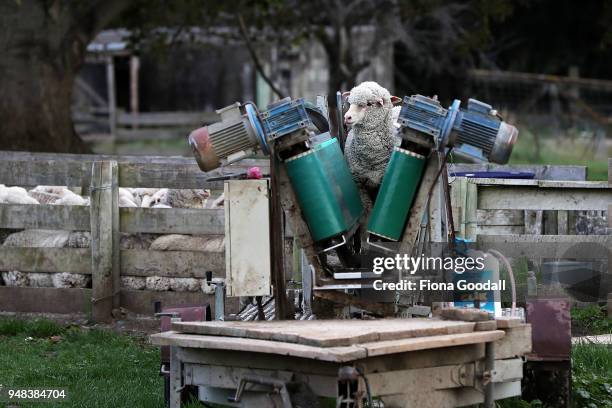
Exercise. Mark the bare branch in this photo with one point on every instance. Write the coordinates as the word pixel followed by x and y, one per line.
pixel 255 58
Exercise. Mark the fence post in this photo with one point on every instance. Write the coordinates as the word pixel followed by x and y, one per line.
pixel 104 239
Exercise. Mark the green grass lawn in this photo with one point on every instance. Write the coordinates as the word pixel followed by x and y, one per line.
pixel 560 150
pixel 99 368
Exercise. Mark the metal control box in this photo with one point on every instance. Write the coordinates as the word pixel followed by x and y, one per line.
pixel 247 238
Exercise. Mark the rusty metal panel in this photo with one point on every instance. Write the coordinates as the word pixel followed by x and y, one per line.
pixel 187 314
pixel 247 238
pixel 551 328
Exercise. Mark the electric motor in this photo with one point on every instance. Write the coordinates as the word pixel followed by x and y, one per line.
pixel 236 136
pixel 477 132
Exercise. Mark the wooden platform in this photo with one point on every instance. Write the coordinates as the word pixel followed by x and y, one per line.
pixel 408 362
pixel 331 354
pixel 327 333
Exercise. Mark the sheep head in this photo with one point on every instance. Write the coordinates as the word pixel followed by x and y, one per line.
pixel 367 99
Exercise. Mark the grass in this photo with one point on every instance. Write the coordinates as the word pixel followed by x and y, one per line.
pixel 566 149
pixel 99 368
pixel 591 321
pixel 591 380
pixel 592 375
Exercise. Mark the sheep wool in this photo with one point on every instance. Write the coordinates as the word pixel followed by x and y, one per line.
pixel 371 140
pixel 133 282
pixel 158 283
pixel 71 280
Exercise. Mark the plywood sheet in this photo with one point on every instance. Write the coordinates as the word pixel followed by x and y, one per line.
pixel 328 333
pixel 333 354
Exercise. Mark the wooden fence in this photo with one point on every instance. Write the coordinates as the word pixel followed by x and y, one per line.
pixel 498 213
pixel 104 261
pixel 532 218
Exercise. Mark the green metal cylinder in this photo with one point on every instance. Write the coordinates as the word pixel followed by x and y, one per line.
pixel 325 190
pixel 397 191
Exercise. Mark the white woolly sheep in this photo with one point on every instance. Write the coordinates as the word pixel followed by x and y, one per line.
pixel 58 195
pixel 371 138
pixel 15 195
pixel 158 283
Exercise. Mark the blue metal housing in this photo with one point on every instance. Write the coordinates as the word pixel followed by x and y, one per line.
pixel 476 129
pixel 284 117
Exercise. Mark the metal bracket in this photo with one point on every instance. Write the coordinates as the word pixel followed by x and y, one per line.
pixel 279 386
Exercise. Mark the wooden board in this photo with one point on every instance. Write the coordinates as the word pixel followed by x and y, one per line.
pixel 172 220
pixel 73 260
pixel 333 354
pixel 45 300
pixel 548 246
pixel 180 264
pixel 425 343
pixel 500 217
pixel 74 170
pixel 327 333
pixel 592 196
pixel 62 217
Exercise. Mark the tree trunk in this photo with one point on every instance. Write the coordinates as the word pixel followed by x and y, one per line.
pixel 35 108
pixel 42 46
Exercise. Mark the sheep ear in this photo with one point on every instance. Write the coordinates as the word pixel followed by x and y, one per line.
pixel 395 100
pixel 380 101
pixel 345 95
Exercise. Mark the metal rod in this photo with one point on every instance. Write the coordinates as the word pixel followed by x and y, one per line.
pixel 277 241
pixel 489 401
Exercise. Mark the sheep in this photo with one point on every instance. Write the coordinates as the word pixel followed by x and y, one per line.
pixel 133 282
pixel 165 198
pixel 70 198
pixel 127 199
pixel 57 195
pixel 178 242
pixel 15 195
pixel 158 283
pixel 371 139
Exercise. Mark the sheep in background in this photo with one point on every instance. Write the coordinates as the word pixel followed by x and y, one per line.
pixel 165 198
pixel 371 137
pixel 70 198
pixel 127 198
pixel 57 195
pixel 15 195
pixel 217 202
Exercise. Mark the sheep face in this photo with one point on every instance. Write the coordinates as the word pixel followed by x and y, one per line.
pixel 357 112
pixel 369 105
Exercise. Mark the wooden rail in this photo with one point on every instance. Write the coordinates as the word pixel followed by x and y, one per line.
pixel 508 215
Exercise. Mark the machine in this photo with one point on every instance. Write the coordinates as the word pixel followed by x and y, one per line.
pixel 315 177
pixel 298 134
pixel 424 126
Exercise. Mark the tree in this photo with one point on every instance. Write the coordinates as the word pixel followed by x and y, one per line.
pixel 42 45
pixel 437 36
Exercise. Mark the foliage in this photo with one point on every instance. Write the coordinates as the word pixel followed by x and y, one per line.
pixel 438 36
pixel 99 368
pixel 517 402
pixel 592 320
pixel 592 375
pixel 39 328
pixel 556 149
